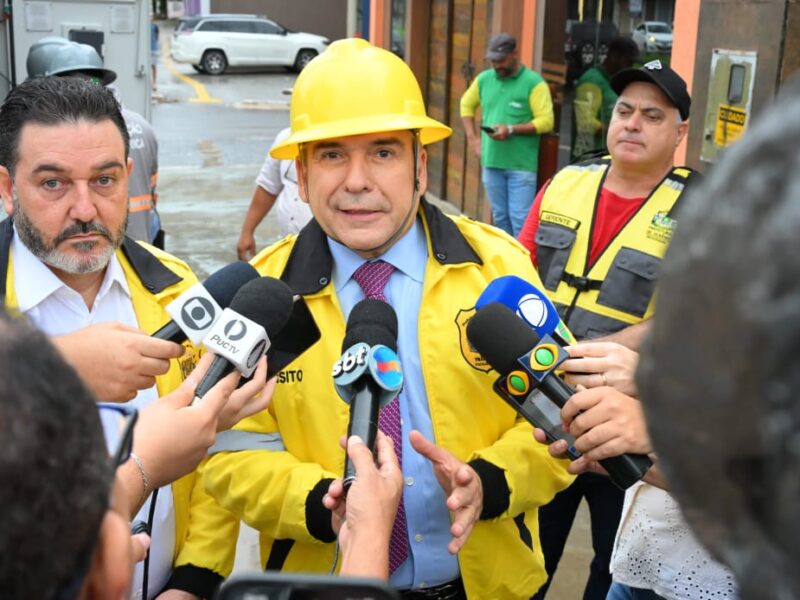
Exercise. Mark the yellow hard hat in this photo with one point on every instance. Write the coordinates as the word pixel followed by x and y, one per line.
pixel 354 88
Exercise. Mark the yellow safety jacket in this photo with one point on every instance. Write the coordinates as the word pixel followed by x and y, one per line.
pixel 278 488
pixel 205 533
pixel 617 291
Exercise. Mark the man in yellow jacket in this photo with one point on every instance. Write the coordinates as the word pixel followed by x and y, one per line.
pixel 66 265
pixel 473 480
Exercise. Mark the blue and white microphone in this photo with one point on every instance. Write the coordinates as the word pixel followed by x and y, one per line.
pixel 530 304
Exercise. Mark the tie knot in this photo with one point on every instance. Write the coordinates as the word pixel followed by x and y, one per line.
pixel 372 277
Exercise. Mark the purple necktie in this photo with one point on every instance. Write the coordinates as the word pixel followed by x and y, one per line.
pixel 372 277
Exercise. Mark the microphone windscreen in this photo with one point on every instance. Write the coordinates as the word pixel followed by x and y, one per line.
pixel 265 300
pixel 225 282
pixel 500 336
pixel 370 334
pixel 373 313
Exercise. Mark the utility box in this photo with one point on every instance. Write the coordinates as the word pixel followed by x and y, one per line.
pixel 730 92
pixel 118 29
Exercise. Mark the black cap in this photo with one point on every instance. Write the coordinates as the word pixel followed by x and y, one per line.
pixel 661 75
pixel 501 46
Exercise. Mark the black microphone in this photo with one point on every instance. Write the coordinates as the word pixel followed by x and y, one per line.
pixel 527 363
pixel 198 308
pixel 241 335
pixel 368 374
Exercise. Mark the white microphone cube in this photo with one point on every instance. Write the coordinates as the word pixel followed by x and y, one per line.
pixel 195 311
pixel 239 340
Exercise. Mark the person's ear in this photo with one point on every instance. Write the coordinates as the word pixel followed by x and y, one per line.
pixel 7 190
pixel 300 166
pixel 111 570
pixel 421 181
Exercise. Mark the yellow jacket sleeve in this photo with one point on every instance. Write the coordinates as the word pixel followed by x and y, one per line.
pixel 471 100
pixel 542 107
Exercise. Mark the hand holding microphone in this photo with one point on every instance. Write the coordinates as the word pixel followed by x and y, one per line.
pixel 368 375
pixel 527 363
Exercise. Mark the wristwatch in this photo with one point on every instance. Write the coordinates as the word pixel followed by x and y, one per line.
pixel 510 130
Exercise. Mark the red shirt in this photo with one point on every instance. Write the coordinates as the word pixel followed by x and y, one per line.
pixel 613 212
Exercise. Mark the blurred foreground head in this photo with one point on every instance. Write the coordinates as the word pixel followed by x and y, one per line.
pixel 720 374
pixel 54 468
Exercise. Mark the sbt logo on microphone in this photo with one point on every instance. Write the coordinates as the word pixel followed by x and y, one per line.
pixel 195 311
pixel 354 358
pixel 239 340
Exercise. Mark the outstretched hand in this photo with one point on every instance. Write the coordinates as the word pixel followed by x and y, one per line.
pixel 461 484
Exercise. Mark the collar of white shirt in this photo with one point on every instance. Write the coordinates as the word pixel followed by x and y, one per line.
pixel 39 283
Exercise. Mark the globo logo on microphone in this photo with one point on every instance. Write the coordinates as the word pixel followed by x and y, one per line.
pixel 198 313
pixel 195 312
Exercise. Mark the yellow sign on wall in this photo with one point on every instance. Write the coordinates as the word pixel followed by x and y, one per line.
pixel 731 122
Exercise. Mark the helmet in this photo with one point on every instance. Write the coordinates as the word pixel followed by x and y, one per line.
pixel 41 53
pixel 74 58
pixel 354 88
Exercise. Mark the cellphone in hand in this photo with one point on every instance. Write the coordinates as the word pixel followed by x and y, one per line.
pixel 489 130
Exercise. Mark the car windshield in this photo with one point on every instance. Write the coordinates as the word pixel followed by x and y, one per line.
pixel 187 24
pixel 659 28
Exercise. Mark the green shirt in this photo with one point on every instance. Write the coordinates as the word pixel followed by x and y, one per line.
pixel 521 98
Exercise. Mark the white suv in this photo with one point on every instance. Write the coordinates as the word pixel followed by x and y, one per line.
pixel 212 43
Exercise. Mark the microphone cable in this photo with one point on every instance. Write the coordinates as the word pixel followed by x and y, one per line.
pixel 146 566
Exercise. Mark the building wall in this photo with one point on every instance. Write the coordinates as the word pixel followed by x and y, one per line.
pixel 328 18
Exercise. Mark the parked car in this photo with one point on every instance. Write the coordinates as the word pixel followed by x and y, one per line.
pixel 586 44
pixel 653 36
pixel 212 43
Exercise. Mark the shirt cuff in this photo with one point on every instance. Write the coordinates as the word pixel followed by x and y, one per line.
pixel 496 495
pixel 195 580
pixel 318 518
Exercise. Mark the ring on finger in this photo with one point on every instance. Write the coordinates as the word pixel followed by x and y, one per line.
pixel 603 377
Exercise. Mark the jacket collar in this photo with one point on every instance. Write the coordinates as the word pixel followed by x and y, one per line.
pixel 153 274
pixel 310 264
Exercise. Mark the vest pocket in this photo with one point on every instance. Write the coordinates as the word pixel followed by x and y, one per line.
pixel 553 245
pixel 630 282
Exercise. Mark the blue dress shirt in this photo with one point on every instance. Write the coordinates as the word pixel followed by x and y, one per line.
pixel 428 520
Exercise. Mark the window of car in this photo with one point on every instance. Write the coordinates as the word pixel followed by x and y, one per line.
pixel 213 26
pixel 267 27
pixel 187 24
pixel 241 26
pixel 659 28
pixel 641 27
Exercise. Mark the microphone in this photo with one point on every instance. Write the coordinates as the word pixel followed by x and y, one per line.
pixel 530 304
pixel 241 335
pixel 197 309
pixel 368 374
pixel 527 363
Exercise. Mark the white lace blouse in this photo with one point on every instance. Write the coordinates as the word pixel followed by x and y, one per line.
pixel 655 549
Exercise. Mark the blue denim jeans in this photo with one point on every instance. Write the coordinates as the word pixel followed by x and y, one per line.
pixel 511 194
pixel 619 591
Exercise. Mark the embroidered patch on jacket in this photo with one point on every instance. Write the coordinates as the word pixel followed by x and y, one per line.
pixel 661 227
pixel 563 220
pixel 473 358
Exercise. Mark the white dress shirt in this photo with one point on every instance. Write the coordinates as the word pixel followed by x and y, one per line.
pixel 57 309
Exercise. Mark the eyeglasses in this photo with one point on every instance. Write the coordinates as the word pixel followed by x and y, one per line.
pixel 118 421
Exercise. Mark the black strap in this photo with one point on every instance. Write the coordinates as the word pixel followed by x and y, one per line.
pixel 582 284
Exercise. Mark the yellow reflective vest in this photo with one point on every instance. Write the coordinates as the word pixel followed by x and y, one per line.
pixel 617 291
pixel 205 533
pixel 278 488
